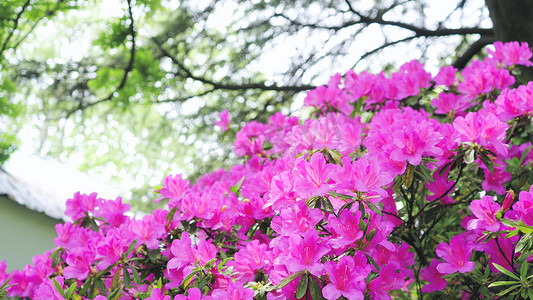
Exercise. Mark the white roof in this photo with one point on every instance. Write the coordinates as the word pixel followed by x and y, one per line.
pixel 45 185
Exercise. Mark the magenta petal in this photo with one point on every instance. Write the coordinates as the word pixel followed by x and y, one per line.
pixel 446 268
pixel 330 292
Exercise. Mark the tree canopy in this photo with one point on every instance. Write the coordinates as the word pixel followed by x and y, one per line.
pixel 136 85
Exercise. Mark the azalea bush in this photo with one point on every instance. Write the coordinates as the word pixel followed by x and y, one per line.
pixel 396 186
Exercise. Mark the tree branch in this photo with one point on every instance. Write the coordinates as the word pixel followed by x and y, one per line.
pixel 385 45
pixel 463 60
pixel 231 86
pixel 127 70
pixel 418 31
pixel 15 26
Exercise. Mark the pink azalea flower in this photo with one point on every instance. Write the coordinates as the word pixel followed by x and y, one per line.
pixel 495 255
pixel 389 279
pixel 224 120
pixel 446 76
pixel 483 128
pixel 157 294
pixel 174 187
pixel 495 181
pixel 363 175
pixel 234 291
pixel 79 263
pixel 345 228
pixel 311 177
pixel 435 279
pixel 456 256
pixel 439 187
pixel 248 260
pixel 524 206
pixel 414 142
pixel 109 251
pixel 448 102
pixel 48 291
pixel 330 96
pixel 485 211
pixel 113 212
pixel 347 277
pixel 305 253
pixel 298 220
pixel 511 53
pixel 147 231
pixel 194 294
pixel 81 204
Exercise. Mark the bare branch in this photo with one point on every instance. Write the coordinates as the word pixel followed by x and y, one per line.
pixel 15 26
pixel 418 31
pixel 129 67
pixel 373 51
pixel 463 60
pixel 231 86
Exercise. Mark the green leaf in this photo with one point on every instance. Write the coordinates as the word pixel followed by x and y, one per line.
pixel 189 278
pixel 235 189
pixel 347 206
pixel 487 161
pixel 127 278
pixel 505 271
pixel 302 286
pixel 287 280
pixel 373 208
pixel 409 175
pixel 59 288
pixel 170 215
pixel 523 270
pixel 131 247
pixel 374 263
pixel 327 205
pixel 135 274
pixel 71 290
pixel 101 286
pixel 314 289
pixel 508 290
pixel 500 283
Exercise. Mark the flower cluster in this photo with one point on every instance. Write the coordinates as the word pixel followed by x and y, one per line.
pixel 363 200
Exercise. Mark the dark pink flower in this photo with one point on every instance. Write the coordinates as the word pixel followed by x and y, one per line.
pixel 448 102
pixel 311 177
pixel 81 204
pixel 347 277
pixel 435 279
pixel 234 291
pixel 345 228
pixel 446 76
pixel 79 263
pixel 511 53
pixel 157 294
pixel 456 256
pixel 485 211
pixel 48 291
pixel 194 294
pixel 305 253
pixel 524 206
pixel 174 187
pixel 224 120
pixel 495 181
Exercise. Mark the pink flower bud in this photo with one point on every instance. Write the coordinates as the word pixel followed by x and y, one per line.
pixel 508 201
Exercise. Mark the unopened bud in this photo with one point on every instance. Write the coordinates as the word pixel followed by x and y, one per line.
pixel 508 201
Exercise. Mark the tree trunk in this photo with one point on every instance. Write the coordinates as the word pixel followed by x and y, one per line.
pixel 513 21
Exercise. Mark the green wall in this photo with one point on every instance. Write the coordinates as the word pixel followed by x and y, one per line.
pixel 23 233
